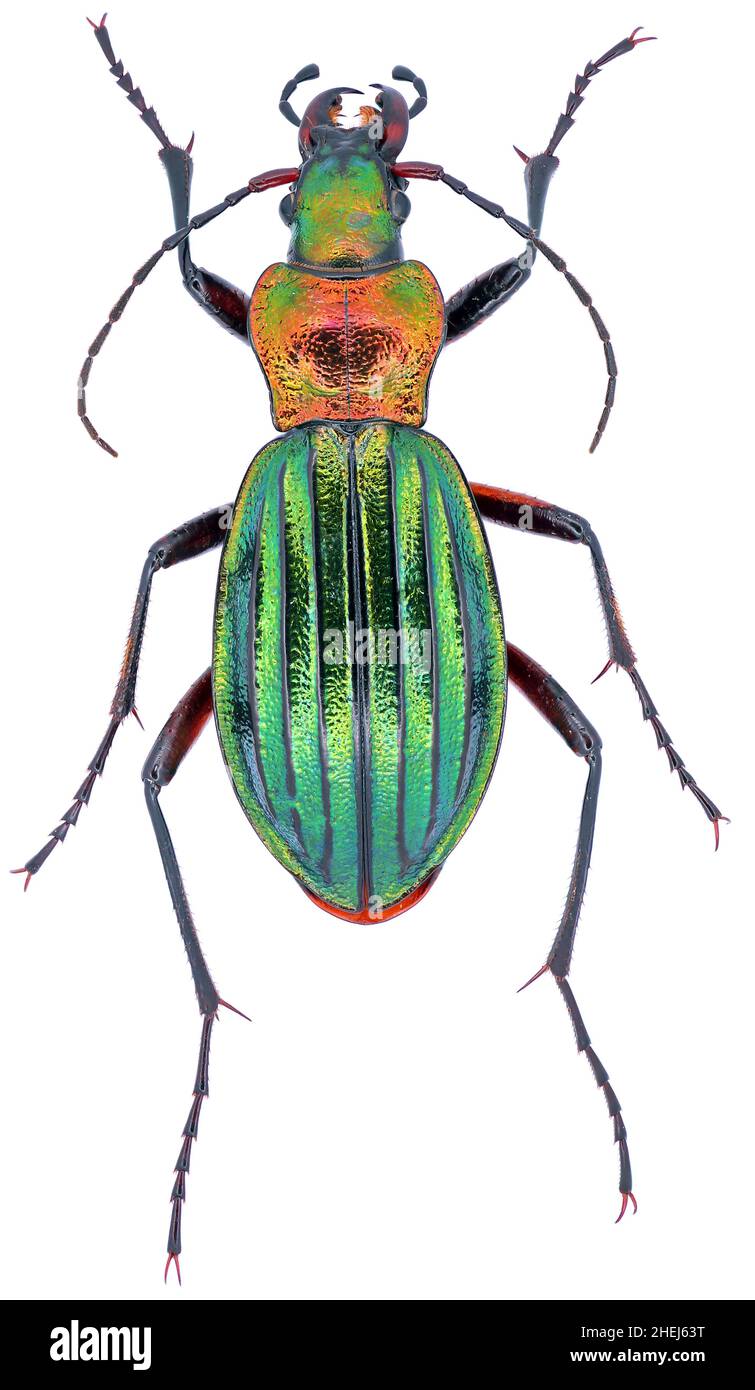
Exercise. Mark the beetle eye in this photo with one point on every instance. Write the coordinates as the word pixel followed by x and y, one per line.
pixel 400 205
pixel 286 209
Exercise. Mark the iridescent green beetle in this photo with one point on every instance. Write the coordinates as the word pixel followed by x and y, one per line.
pixel 360 667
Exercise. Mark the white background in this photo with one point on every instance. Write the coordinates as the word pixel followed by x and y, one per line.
pixel 396 1123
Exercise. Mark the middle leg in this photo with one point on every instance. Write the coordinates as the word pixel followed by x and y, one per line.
pixel 203 533
pixel 567 719
pixel 531 514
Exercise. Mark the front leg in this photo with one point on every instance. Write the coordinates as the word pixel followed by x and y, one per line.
pixel 531 514
pixel 479 299
pixel 193 538
pixel 227 304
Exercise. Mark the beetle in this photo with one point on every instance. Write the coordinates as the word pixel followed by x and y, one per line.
pixel 360 666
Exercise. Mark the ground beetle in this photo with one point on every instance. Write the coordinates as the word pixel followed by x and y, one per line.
pixel 360 668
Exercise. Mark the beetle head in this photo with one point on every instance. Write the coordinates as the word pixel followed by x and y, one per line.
pixel 347 207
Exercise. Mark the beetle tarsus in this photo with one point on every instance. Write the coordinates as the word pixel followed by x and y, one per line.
pixel 125 82
pixel 675 761
pixel 577 95
pixel 81 798
pixel 600 1074
pixel 602 1079
pixel 664 741
pixel 190 1131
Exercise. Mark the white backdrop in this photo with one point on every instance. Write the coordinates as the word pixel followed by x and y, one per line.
pixel 396 1123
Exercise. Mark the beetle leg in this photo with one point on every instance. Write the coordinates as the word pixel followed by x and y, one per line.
pixel 224 301
pixel 258 183
pixel 193 538
pixel 479 299
pixel 531 514
pixel 436 173
pixel 563 715
pixel 581 83
pixel 177 737
pixel 475 302
pixel 228 304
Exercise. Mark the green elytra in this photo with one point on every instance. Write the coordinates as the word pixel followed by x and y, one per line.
pixel 359 669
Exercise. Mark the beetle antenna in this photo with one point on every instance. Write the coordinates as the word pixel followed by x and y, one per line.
pixel 575 98
pixel 437 173
pixel 125 82
pixel 272 179
pixel 284 105
pixel 402 74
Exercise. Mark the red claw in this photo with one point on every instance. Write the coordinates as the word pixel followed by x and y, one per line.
pixel 168 1264
pixel 625 1196
pixel 24 870
pixel 649 38
pixel 716 824
pixel 97 26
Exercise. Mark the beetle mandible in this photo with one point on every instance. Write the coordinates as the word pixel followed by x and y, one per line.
pixel 360 668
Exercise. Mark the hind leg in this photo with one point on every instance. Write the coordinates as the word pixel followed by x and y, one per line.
pixel 568 720
pixel 177 737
